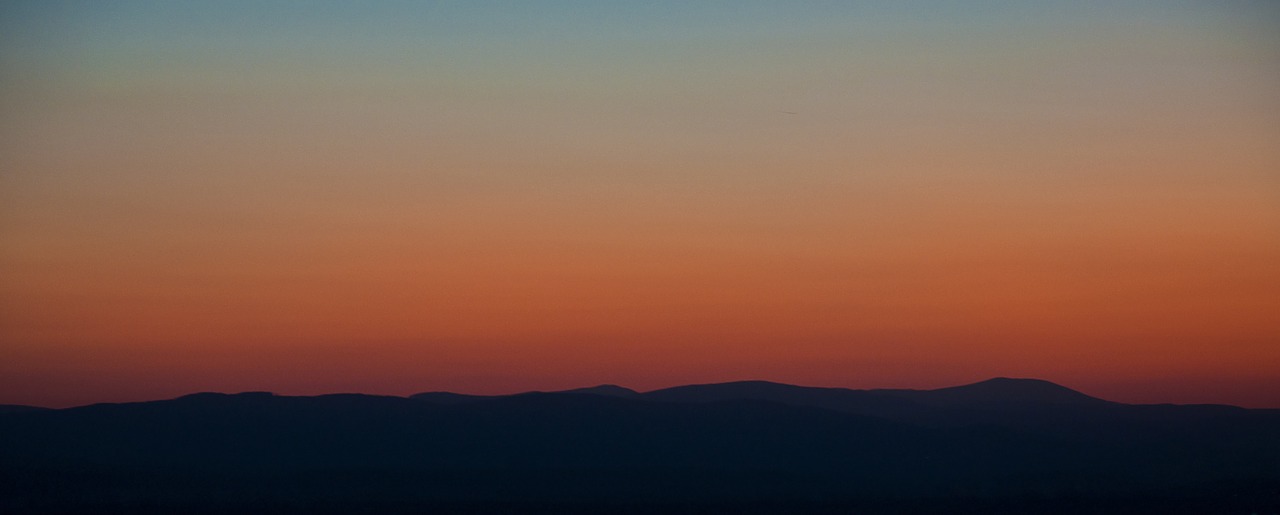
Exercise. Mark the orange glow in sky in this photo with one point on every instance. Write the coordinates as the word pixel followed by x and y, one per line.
pixel 485 200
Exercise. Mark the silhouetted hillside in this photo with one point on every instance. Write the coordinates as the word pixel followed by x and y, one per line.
pixel 1002 392
pixel 743 447
pixel 606 389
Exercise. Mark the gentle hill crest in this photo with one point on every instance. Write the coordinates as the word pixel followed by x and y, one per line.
pixel 994 393
pixel 1006 392
pixel 611 390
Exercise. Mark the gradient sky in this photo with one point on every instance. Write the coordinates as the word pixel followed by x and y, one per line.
pixel 488 197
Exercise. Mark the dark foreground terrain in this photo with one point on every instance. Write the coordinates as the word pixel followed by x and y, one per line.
pixel 1000 446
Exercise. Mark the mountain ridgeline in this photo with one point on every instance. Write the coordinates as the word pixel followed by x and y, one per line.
pixel 1003 445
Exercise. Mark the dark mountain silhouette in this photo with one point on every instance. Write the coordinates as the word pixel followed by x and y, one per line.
pixel 1005 445
pixel 1001 392
pixel 612 390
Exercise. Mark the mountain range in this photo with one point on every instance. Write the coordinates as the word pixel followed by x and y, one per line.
pixel 1001 445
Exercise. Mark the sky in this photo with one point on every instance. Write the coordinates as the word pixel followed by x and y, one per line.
pixel 491 197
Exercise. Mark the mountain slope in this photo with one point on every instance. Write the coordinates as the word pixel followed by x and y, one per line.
pixel 1003 392
pixel 611 390
pixel 751 442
